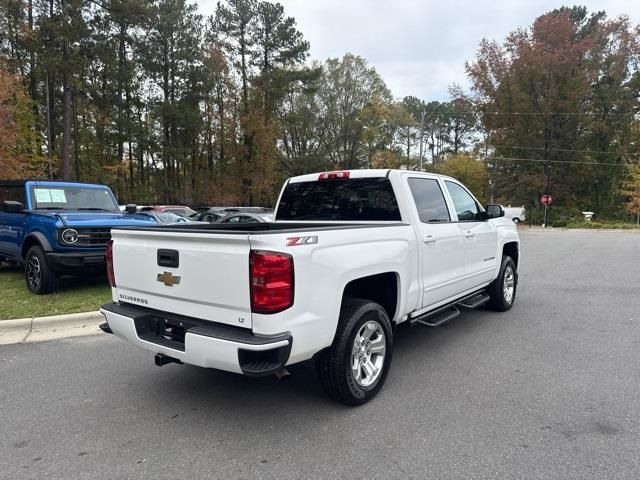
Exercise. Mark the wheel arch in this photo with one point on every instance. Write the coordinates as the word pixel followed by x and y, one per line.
pixel 34 238
pixel 512 249
pixel 381 288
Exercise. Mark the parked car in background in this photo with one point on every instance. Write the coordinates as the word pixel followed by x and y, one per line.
pixel 167 218
pixel 517 214
pixel 215 214
pixel 58 228
pixel 246 217
pixel 209 215
pixel 177 209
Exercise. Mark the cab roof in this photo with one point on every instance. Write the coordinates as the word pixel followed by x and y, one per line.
pixel 362 173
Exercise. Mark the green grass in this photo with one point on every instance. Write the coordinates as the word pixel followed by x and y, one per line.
pixel 598 224
pixel 75 295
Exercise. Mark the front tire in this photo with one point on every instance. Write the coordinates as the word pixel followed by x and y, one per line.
pixel 516 220
pixel 39 276
pixel 353 370
pixel 502 291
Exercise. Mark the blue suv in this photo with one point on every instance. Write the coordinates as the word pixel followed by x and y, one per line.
pixel 59 228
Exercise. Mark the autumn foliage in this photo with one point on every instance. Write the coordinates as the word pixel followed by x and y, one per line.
pixel 558 102
pixel 17 143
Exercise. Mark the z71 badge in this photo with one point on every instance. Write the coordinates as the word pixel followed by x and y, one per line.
pixel 296 241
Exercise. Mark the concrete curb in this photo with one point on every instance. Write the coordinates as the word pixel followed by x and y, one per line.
pixel 39 329
pixel 581 230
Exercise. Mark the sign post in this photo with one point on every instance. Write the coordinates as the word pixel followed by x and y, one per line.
pixel 545 200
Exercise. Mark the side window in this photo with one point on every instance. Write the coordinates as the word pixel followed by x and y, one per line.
pixel 13 193
pixel 429 200
pixel 466 207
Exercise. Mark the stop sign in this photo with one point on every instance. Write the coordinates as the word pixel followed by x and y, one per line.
pixel 546 199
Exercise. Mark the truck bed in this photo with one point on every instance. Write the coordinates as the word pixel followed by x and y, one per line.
pixel 202 271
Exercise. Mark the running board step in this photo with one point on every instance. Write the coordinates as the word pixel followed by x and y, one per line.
pixel 475 301
pixel 437 318
pixel 448 312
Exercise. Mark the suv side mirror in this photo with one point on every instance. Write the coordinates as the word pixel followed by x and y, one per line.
pixel 495 211
pixel 10 206
pixel 131 208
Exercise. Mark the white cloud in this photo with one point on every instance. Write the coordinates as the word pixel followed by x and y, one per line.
pixel 419 47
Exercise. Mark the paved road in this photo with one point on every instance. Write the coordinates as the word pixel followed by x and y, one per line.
pixel 547 390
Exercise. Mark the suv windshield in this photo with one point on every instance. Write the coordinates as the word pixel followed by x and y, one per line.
pixel 55 197
pixel 357 199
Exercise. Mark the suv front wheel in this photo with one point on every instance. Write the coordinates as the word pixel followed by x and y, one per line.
pixel 39 276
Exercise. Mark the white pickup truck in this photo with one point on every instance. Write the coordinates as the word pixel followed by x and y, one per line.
pixel 350 255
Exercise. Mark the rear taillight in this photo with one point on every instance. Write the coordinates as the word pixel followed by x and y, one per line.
pixel 343 174
pixel 271 281
pixel 108 255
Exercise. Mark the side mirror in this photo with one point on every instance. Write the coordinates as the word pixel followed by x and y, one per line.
pixel 131 208
pixel 495 211
pixel 10 206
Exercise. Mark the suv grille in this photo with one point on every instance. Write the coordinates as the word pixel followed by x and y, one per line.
pixel 93 237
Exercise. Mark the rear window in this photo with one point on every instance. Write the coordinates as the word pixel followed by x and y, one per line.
pixel 356 199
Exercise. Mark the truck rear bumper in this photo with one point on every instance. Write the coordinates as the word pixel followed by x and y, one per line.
pixel 199 342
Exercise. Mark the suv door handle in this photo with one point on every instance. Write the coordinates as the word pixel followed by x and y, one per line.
pixel 429 239
pixel 469 234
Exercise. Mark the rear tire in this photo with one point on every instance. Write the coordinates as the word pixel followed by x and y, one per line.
pixel 38 275
pixel 502 291
pixel 353 370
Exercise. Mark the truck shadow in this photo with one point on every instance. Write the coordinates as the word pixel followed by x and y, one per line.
pixel 207 395
pixel 10 268
pixel 69 283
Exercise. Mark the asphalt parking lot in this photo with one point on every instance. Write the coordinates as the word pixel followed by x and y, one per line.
pixel 547 390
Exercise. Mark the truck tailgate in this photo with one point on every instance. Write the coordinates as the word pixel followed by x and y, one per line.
pixel 201 275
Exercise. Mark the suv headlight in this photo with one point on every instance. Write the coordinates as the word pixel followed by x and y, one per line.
pixel 69 236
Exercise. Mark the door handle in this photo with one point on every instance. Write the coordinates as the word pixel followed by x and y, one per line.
pixel 469 234
pixel 429 239
pixel 168 258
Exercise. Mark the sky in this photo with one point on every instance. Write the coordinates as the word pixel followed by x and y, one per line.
pixel 419 47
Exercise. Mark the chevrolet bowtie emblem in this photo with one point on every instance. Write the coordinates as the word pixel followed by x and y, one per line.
pixel 168 279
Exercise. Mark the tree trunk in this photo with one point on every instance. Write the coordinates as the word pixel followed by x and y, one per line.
pixel 165 122
pixel 65 161
pixel 33 87
pixel 140 152
pixel 75 138
pixel 49 96
pixel 194 174
pixel 66 107
pixel 221 138
pixel 131 162
pixel 243 63
pixel 121 55
pixel 456 137
pixel 408 144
